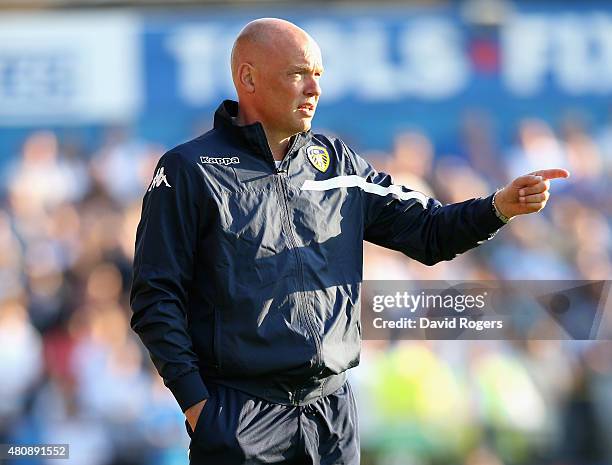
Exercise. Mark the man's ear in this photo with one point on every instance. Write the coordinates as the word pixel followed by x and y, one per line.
pixel 245 77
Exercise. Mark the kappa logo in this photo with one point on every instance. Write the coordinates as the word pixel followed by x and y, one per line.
pixel 158 179
pixel 220 161
pixel 319 157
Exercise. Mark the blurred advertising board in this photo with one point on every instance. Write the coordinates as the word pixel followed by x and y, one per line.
pixel 394 67
pixel 69 67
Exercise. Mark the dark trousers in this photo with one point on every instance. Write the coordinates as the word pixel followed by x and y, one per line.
pixel 235 428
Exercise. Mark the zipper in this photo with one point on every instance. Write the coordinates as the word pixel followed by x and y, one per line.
pixel 305 314
pixel 294 397
pixel 280 170
pixel 281 177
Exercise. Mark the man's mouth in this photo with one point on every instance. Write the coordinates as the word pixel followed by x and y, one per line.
pixel 306 106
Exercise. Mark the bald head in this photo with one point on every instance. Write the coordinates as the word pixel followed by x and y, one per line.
pixel 263 36
pixel 276 68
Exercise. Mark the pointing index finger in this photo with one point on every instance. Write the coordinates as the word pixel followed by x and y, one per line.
pixel 526 180
pixel 552 173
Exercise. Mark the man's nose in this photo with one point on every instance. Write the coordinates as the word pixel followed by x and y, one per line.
pixel 313 88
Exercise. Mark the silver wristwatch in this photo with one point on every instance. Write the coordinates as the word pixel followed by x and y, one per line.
pixel 499 214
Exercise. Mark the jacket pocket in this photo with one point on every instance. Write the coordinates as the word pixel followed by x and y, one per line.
pixel 216 346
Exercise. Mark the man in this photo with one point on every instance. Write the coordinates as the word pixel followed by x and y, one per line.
pixel 249 261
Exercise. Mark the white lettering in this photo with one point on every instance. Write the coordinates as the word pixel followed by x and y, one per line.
pixel 572 50
pixel 220 160
pixel 430 61
pixel 525 48
pixel 203 57
pixel 434 66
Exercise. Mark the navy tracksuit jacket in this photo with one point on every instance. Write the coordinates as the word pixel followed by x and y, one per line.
pixel 248 276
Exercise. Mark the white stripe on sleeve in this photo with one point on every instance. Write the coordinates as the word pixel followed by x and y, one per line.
pixel 358 181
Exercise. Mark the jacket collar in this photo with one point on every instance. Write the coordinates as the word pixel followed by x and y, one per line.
pixel 253 135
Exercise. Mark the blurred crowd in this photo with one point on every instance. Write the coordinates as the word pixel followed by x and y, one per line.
pixel 71 370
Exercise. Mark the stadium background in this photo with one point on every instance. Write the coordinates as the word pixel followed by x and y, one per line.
pixel 453 98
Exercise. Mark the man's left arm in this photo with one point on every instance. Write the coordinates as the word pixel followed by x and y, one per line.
pixel 420 227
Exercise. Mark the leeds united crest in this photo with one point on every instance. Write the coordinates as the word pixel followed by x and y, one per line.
pixel 319 157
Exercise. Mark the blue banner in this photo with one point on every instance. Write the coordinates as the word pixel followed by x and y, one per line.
pixel 387 68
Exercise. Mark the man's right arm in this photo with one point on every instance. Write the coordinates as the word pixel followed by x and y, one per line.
pixel 163 270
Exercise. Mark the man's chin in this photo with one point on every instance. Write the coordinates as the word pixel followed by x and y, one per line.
pixel 301 125
pixel 305 125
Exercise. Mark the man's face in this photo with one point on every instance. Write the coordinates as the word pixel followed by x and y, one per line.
pixel 288 98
